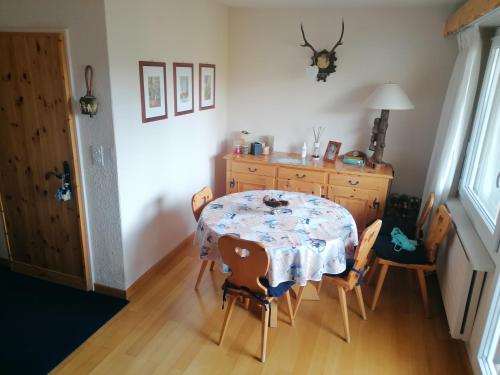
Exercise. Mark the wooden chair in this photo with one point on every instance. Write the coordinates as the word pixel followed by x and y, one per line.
pixel 384 238
pixel 198 203
pixel 350 278
pixel 419 232
pixel 249 262
pixel 421 260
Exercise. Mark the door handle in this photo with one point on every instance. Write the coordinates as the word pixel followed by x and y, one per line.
pixel 231 183
pixel 498 180
pixel 375 204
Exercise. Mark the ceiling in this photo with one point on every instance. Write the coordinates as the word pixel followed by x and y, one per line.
pixel 323 3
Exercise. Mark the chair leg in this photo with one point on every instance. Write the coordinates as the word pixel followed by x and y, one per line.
pixel 229 311
pixel 380 283
pixel 290 310
pixel 200 274
pixel 343 307
pixel 423 292
pixel 372 272
pixel 361 302
pixel 299 299
pixel 265 328
pixel 212 265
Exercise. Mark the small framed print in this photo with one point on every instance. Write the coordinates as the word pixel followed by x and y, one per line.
pixel 183 88
pixel 332 151
pixel 207 86
pixel 153 80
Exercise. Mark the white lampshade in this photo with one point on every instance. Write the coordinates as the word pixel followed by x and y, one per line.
pixel 389 96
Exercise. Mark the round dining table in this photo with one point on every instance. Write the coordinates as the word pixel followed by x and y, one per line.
pixel 306 238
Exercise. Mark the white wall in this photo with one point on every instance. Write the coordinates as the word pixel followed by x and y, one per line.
pixel 270 92
pixel 85 25
pixel 161 164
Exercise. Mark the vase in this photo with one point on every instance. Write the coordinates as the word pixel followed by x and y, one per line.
pixel 315 153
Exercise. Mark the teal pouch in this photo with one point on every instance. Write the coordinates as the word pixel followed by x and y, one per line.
pixel 401 242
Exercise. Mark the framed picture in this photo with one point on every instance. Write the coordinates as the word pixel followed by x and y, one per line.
pixel 153 80
pixel 332 151
pixel 207 86
pixel 183 88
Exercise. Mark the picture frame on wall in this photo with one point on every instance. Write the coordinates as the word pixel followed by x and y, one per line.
pixel 153 80
pixel 332 151
pixel 207 86
pixel 183 88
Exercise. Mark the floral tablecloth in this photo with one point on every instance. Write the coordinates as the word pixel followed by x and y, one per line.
pixel 304 240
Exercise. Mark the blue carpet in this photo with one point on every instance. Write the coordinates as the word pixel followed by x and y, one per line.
pixel 41 323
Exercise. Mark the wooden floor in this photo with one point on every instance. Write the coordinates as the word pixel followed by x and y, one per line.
pixel 168 328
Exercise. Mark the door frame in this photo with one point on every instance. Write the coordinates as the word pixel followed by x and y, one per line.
pixel 78 178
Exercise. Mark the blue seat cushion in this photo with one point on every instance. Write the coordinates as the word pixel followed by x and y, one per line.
pixel 276 291
pixel 349 263
pixel 384 249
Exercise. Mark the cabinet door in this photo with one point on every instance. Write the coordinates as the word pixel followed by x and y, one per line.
pixel 359 202
pixel 245 182
pixel 301 186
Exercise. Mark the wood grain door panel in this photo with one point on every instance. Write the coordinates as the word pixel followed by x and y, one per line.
pixel 36 135
pixel 244 182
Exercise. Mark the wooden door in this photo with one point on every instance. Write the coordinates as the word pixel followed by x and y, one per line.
pixel 359 202
pixel 245 182
pixel 37 136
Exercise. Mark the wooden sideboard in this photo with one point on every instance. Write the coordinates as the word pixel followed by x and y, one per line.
pixel 362 190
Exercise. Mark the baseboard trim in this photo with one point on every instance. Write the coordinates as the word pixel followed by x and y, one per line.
pixel 49 275
pixel 146 276
pixel 110 291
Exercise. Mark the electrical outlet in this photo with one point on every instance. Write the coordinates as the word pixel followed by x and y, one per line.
pixel 97 155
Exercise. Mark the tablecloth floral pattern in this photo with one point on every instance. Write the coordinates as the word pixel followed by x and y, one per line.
pixel 304 240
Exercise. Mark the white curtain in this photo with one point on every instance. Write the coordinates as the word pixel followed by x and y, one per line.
pixel 455 116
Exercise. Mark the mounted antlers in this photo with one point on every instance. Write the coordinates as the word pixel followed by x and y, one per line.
pixel 306 43
pixel 339 43
pixel 324 60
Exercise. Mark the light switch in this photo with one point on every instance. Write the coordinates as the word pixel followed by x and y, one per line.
pixel 97 155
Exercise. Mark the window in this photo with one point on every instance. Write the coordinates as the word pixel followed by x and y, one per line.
pixel 480 184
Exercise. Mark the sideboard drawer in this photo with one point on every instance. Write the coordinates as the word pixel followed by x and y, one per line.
pixel 251 168
pixel 302 175
pixel 354 181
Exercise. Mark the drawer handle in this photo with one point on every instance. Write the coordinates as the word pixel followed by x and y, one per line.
pixel 376 204
pixel 353 183
pixel 299 176
pixel 252 169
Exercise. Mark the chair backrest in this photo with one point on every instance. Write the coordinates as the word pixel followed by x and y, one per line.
pixel 365 245
pixel 248 261
pixel 419 234
pixel 438 229
pixel 308 188
pixel 200 200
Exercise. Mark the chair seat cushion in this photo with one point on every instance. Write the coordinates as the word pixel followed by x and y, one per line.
pixel 384 249
pixel 276 291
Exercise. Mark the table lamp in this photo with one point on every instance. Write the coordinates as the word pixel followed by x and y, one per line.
pixel 388 96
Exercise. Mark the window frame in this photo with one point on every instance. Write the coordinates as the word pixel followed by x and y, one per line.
pixel 488 230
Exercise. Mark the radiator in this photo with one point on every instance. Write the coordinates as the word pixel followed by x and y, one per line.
pixel 462 266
